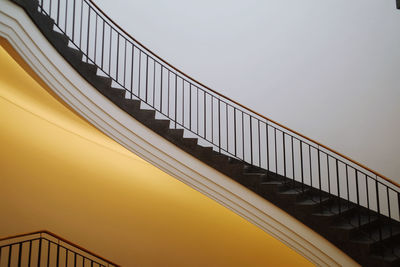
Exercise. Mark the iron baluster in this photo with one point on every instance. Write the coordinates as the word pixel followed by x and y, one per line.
pixel 147 77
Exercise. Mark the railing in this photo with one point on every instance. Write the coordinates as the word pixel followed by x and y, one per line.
pixel 217 121
pixel 43 248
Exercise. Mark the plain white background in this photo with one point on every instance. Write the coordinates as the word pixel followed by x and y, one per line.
pixel 328 69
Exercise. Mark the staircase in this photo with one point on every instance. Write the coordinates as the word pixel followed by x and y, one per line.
pixel 43 248
pixel 352 206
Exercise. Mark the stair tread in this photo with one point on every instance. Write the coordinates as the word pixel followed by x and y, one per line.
pixel 314 200
pixel 273 183
pixel 293 192
pixel 388 254
pixel 374 235
pixel 334 211
pixel 356 221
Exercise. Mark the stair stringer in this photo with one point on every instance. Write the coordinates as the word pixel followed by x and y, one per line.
pixel 18 29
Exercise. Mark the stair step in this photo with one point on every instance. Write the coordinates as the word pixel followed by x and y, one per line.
pixel 314 200
pixel 374 234
pixel 74 54
pixel 44 20
pixel 356 222
pixel 335 210
pixel 390 255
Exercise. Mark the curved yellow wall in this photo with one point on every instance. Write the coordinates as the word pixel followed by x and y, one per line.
pixel 58 172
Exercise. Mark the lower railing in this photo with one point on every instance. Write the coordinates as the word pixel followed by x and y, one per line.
pixel 43 248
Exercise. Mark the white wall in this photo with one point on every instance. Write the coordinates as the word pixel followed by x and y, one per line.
pixel 328 69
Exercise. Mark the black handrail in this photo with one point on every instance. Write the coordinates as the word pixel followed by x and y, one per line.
pixel 229 127
pixel 44 247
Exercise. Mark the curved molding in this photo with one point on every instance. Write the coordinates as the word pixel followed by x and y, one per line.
pixel 23 35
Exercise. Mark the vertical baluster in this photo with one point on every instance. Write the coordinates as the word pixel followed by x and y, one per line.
pixel 293 162
pixel 80 28
pixel 205 117
pixel 73 21
pixel 66 257
pixel 168 94
pixel 29 253
pixel 338 187
pixel 190 106
pixel 133 69
pixel 88 34
pixel 267 144
pixel 212 120
pixel 109 53
pixel 398 203
pixel 58 253
pixel 48 254
pixel 161 88
pixel 234 130
pixel 117 66
pixel 319 174
pixel 301 166
pixel 276 152
pixel 39 251
pixel 19 254
pixel 309 160
pixel 58 12
pixel 154 82
pixel 102 47
pixel 329 173
pixel 140 72
pixel 197 110
pixel 243 135
pixel 176 96
pixel 251 139
pixel 147 76
pixel 125 63
pixel 183 102
pixel 389 212
pixel 9 255
pixel 284 154
pixel 379 214
pixel 219 125
pixel 347 185
pixel 227 127
pixel 95 40
pixel 358 195
pixel 367 191
pixel 74 259
pixel 66 15
pixel 259 143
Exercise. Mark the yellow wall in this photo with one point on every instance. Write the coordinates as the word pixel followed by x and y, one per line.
pixel 58 172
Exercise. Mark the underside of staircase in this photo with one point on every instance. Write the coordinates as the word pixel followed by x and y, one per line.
pixel 366 236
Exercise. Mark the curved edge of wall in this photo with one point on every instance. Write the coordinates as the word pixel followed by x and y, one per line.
pixel 17 28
